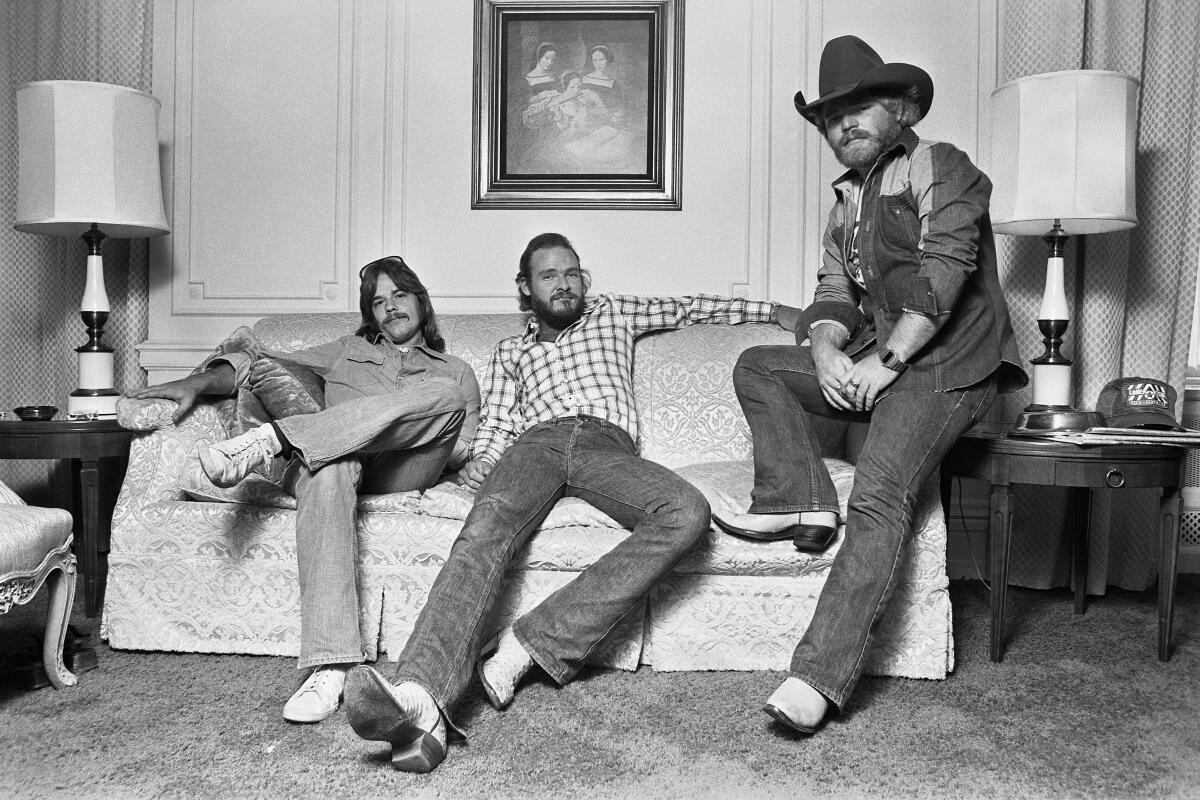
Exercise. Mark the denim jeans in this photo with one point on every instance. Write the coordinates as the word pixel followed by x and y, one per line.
pixel 580 457
pixel 385 443
pixel 908 436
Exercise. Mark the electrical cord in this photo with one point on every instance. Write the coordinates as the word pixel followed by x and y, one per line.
pixel 962 520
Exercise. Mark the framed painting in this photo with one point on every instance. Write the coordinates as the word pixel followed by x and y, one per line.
pixel 578 104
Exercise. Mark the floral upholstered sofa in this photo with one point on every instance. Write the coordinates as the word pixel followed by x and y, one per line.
pixel 196 568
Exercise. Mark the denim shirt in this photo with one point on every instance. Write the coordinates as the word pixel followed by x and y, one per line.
pixel 353 367
pixel 924 246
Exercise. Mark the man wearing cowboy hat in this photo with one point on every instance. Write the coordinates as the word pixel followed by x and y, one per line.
pixel 908 332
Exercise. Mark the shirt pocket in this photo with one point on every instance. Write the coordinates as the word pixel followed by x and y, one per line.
pixel 899 223
pixel 359 374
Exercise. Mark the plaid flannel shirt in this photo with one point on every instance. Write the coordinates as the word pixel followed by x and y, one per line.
pixel 588 369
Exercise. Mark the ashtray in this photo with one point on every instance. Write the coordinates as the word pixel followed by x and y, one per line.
pixel 36 413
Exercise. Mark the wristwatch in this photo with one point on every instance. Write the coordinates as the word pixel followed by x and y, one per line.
pixel 892 361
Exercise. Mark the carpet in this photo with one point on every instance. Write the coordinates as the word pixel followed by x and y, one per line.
pixel 1079 708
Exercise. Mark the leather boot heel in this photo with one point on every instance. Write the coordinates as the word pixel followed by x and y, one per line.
pixel 419 755
pixel 812 538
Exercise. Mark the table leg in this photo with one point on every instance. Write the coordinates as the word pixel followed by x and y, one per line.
pixel 112 472
pixel 88 546
pixel 1079 514
pixel 1168 522
pixel 1000 534
pixel 945 483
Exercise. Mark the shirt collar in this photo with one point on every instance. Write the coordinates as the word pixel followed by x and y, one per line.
pixel 381 339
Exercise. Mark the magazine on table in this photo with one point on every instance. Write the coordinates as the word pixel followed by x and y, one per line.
pixel 1101 436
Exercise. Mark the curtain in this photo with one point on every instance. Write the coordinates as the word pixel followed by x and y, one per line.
pixel 1134 304
pixel 42 277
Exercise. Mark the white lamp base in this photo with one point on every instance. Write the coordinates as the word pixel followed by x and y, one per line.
pixel 1051 410
pixel 1052 419
pixel 101 406
pixel 96 395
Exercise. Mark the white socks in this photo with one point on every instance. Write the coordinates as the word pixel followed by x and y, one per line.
pixel 827 518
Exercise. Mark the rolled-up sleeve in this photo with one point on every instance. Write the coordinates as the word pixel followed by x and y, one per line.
pixel 837 296
pixel 240 361
pixel 499 418
pixel 466 434
pixel 952 197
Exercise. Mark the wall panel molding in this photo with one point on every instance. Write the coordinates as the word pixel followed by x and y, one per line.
pixel 272 154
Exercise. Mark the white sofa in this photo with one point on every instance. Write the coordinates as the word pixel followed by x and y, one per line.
pixel 194 568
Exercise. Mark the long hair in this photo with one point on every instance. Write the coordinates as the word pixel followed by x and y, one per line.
pixel 406 280
pixel 904 103
pixel 542 241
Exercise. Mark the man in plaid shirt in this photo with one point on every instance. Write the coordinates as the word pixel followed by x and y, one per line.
pixel 557 421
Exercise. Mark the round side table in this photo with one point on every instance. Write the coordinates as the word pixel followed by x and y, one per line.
pixel 92 456
pixel 1002 460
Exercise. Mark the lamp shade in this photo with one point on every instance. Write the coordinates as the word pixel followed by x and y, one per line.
pixel 1063 146
pixel 88 153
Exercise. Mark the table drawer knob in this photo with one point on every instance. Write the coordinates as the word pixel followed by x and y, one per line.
pixel 1114 478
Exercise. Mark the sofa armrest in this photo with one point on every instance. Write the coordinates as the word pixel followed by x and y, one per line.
pixel 161 449
pixel 144 415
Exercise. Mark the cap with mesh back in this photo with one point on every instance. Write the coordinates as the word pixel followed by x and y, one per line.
pixel 1138 403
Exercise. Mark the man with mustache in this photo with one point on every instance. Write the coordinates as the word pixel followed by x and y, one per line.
pixel 908 332
pixel 558 421
pixel 400 414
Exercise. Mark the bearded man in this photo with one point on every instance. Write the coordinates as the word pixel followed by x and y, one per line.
pixel 908 331
pixel 557 420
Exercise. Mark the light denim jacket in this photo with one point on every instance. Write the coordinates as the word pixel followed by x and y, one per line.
pixel 925 245
pixel 353 367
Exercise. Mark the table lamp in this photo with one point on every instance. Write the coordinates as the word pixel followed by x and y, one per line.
pixel 88 166
pixel 1063 146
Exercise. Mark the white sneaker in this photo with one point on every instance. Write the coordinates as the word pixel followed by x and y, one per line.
pixel 227 463
pixel 405 716
pixel 501 673
pixel 318 696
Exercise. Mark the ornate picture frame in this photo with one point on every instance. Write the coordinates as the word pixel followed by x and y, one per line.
pixel 578 104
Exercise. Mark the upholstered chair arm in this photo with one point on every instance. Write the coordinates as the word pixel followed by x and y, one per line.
pixel 159 453
pixel 8 497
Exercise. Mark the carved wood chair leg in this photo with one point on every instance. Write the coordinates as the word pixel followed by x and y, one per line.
pixel 61 583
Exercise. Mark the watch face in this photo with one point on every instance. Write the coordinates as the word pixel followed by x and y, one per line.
pixel 892 361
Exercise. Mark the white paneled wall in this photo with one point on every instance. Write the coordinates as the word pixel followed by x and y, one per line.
pixel 303 138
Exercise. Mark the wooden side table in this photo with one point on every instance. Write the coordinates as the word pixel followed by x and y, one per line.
pixel 988 454
pixel 92 456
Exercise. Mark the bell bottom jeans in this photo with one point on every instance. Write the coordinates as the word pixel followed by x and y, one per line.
pixel 580 457
pixel 909 434
pixel 386 443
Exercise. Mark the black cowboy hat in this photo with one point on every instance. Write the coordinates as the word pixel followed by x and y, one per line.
pixel 850 66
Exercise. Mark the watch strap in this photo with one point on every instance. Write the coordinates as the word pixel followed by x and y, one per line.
pixel 892 361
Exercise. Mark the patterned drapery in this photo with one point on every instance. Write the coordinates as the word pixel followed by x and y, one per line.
pixel 41 280
pixel 1135 300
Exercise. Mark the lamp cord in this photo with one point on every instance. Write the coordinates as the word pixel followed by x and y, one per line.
pixel 962 520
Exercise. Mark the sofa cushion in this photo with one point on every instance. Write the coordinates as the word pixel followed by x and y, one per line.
pixel 726 485
pixel 453 501
pixel 285 388
pixel 683 388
